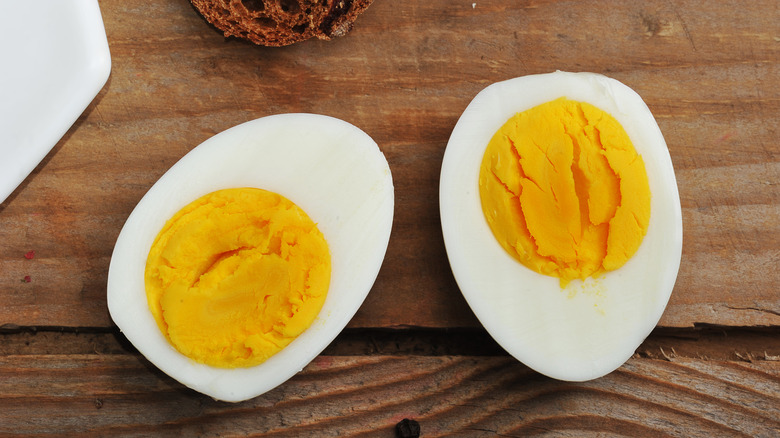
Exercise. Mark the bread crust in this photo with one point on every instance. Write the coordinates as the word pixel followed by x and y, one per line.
pixel 281 22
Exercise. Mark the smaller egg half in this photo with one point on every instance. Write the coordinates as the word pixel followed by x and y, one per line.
pixel 330 169
pixel 569 330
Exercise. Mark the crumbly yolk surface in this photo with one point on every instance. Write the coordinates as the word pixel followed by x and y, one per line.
pixel 236 275
pixel 564 191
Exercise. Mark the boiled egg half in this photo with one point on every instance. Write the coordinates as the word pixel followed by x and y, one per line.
pixel 561 220
pixel 193 233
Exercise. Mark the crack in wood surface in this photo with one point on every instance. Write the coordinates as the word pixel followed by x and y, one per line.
pixel 707 343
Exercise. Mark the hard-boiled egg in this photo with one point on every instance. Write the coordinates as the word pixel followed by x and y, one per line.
pixel 330 169
pixel 570 329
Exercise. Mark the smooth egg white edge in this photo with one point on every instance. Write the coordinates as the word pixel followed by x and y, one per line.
pixel 331 169
pixel 584 331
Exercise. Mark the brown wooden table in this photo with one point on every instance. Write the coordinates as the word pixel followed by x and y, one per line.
pixel 709 71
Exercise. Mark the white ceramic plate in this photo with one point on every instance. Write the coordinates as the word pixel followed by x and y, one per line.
pixel 52 68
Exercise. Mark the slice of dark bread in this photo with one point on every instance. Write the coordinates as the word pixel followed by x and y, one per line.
pixel 281 22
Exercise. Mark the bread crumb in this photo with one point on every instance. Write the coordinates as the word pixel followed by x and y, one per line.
pixel 473 6
pixel 281 22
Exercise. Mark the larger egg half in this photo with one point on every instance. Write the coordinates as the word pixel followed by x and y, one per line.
pixel 587 328
pixel 331 169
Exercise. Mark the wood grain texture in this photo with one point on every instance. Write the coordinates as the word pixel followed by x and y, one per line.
pixel 455 383
pixel 708 71
pixel 123 395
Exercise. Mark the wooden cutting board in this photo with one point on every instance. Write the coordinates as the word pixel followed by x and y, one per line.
pixel 404 74
pixel 709 72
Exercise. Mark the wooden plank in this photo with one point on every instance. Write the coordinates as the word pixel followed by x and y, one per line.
pixel 404 74
pixel 679 383
pixel 366 395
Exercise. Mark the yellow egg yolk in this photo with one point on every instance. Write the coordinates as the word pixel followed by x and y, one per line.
pixel 236 275
pixel 564 191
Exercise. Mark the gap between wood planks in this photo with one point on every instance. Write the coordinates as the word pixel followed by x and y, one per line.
pixel 708 343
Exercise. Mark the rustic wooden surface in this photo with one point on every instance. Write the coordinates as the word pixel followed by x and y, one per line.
pixel 709 71
pixel 89 383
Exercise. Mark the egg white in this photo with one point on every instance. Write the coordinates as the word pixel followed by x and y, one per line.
pixel 331 169
pixel 590 328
